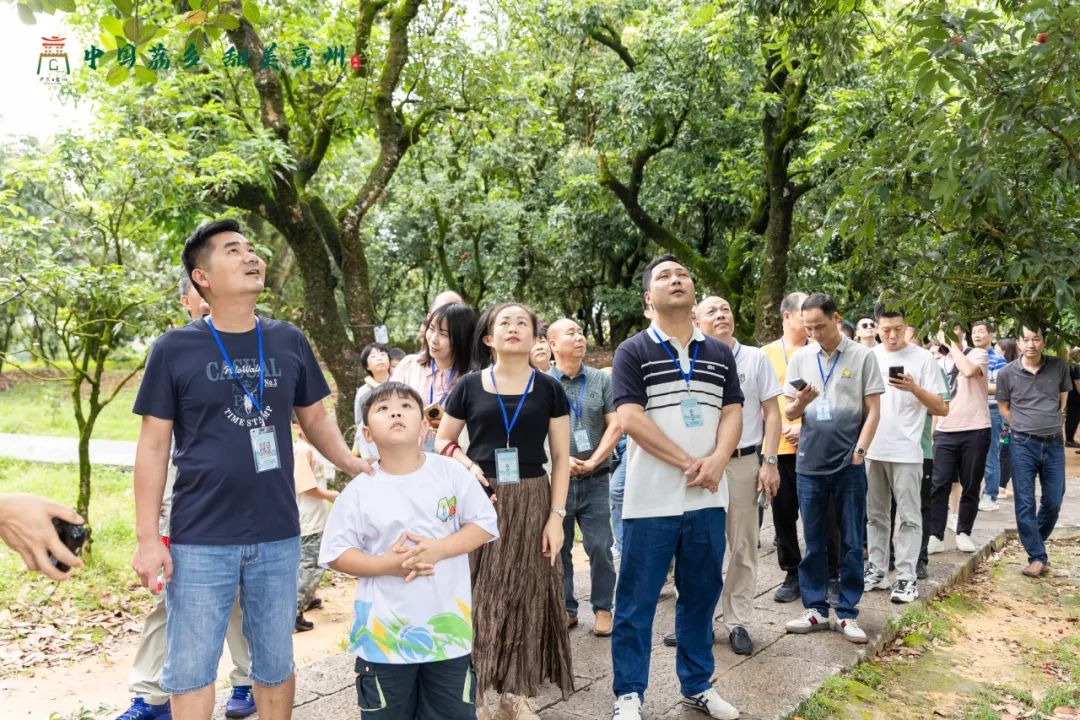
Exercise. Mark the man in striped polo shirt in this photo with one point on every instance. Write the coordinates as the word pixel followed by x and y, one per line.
pixel 678 398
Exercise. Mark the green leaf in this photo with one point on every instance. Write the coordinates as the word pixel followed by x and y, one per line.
pixel 124 6
pixel 113 26
pixel 195 4
pixel 145 75
pixel 65 5
pixel 133 30
pixel 117 75
pixel 26 14
pixel 251 11
pixel 225 22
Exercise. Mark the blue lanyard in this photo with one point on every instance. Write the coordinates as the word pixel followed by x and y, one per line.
pixel 580 396
pixel 431 390
pixel 507 422
pixel 686 376
pixel 232 369
pixel 826 378
pixel 738 348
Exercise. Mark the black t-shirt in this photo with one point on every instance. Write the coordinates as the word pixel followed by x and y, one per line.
pixel 219 498
pixel 469 401
pixel 1074 375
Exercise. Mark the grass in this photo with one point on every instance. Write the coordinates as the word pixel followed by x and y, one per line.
pixel 112 519
pixel 837 691
pixel 919 625
pixel 44 408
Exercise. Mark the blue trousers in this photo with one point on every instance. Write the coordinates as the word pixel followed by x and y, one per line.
pixel 587 506
pixel 1030 456
pixel 696 541
pixel 845 492
pixel 992 473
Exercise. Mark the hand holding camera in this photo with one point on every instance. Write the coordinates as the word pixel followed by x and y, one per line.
pixel 46 535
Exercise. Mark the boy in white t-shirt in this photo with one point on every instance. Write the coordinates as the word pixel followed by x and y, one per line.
pixel 406 534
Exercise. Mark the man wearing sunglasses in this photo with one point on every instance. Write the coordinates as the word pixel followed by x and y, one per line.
pixel 866 332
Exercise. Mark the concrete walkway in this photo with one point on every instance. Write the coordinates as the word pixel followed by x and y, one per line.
pixel 53 449
pixel 783 671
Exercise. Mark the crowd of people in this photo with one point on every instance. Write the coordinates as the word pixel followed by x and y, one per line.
pixel 476 459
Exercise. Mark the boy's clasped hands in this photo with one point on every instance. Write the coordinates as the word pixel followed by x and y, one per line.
pixel 415 560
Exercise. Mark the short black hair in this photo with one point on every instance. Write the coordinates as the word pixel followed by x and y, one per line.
pixel 881 311
pixel 820 301
pixel 194 251
pixel 366 353
pixel 988 324
pixel 391 389
pixel 396 353
pixel 646 275
pixel 847 329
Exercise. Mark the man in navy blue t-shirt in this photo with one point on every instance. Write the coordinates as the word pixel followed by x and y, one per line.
pixel 225 387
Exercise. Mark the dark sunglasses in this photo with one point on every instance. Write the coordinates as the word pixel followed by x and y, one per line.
pixel 866 325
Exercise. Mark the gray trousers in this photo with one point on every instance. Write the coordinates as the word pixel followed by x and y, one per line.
pixel 884 482
pixel 145 678
pixel 309 574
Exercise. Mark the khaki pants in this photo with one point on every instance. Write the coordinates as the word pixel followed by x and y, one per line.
pixel 145 677
pixel 741 531
pixel 885 482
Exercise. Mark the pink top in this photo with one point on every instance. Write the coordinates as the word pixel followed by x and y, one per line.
pixel 433 388
pixel 969 408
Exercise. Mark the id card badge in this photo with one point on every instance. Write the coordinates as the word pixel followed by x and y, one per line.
pixel 506 466
pixel 581 440
pixel 264 448
pixel 429 444
pixel 691 412
pixel 824 412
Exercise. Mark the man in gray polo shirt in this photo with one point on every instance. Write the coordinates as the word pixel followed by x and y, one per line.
pixel 835 385
pixel 594 431
pixel 1031 393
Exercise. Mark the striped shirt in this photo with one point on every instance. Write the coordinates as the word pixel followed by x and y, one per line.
pixel 645 374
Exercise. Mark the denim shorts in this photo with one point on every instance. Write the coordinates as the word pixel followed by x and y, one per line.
pixel 199 599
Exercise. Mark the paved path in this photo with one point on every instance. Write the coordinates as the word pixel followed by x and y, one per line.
pixel 783 671
pixel 53 449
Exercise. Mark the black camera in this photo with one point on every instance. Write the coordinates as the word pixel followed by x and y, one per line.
pixel 73 537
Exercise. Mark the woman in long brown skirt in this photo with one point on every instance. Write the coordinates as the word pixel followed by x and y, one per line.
pixel 520 638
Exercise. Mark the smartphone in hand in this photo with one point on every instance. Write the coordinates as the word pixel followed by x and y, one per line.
pixel 896 372
pixel 797 383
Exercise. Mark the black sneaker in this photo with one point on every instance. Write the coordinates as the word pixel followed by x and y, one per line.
pixel 920 570
pixel 789 591
pixel 671 640
pixel 740 641
pixel 303 625
pixel 314 604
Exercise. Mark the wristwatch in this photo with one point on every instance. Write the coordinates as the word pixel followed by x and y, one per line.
pixel 561 512
pixel 860 452
pixel 771 460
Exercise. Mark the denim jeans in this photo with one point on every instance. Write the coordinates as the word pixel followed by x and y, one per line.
pixel 696 541
pixel 845 491
pixel 1029 456
pixel 618 484
pixel 587 504
pixel 992 473
pixel 199 599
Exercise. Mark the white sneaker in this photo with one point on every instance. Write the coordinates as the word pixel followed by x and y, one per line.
pixel 627 707
pixel 874 579
pixel 952 521
pixel 904 591
pixel 964 544
pixel 987 504
pixel 851 630
pixel 935 546
pixel 712 705
pixel 809 621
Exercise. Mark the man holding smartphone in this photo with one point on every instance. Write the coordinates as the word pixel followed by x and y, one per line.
pixel 894 460
pixel 839 402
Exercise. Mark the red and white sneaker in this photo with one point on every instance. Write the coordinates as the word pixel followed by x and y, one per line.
pixel 808 622
pixel 851 630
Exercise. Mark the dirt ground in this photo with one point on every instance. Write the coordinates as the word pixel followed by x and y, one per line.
pixel 1000 647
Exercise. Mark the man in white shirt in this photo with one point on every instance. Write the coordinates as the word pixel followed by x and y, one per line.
pixel 894 460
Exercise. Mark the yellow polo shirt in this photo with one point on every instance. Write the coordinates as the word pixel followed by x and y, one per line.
pixel 778 358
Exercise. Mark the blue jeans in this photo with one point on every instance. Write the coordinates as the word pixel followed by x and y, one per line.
pixel 992 474
pixel 618 484
pixel 199 599
pixel 587 503
pixel 845 492
pixel 1029 456
pixel 696 541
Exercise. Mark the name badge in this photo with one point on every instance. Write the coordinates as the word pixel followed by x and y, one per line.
pixel 691 412
pixel 824 411
pixel 581 440
pixel 506 466
pixel 429 444
pixel 264 449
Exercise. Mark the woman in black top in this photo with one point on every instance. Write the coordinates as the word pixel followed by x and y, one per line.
pixel 519 615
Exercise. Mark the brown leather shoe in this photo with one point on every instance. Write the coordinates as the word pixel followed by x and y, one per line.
pixel 602 623
pixel 571 621
pixel 1037 568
